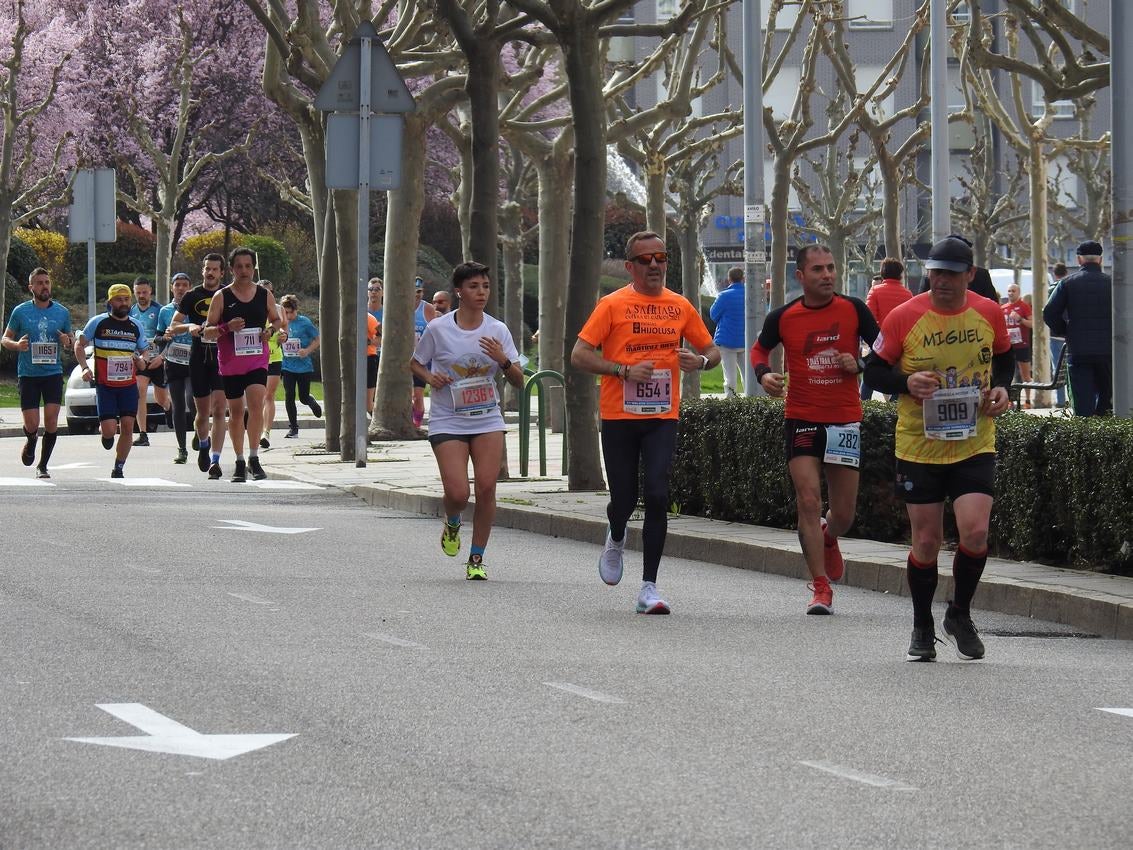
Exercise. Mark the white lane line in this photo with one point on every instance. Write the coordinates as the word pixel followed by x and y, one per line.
pixel 394 641
pixel 24 482
pixel 858 776
pixel 586 693
pixel 276 484
pixel 1124 712
pixel 144 482
pixel 255 600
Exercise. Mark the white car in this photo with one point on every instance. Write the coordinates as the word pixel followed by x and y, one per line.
pixel 81 410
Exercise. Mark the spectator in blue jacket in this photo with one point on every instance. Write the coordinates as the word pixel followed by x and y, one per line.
pixel 1081 309
pixel 728 313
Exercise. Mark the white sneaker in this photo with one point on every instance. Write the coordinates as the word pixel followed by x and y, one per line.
pixel 610 562
pixel 649 601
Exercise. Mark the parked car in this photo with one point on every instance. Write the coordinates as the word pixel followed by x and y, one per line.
pixel 81 410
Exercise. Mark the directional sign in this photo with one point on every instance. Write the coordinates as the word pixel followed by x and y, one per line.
pixel 385 151
pixel 342 91
pixel 241 525
pixel 164 735
pixel 94 213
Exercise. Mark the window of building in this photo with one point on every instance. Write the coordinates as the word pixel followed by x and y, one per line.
pixel 666 10
pixel 866 76
pixel 786 18
pixel 1063 183
pixel 955 87
pixel 961 14
pixel 870 14
pixel 1062 108
pixel 780 95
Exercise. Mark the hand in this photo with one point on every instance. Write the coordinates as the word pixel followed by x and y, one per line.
pixel 690 361
pixel 236 324
pixel 303 352
pixel 996 402
pixel 923 384
pixel 24 344
pixel 848 362
pixel 639 371
pixel 195 330
pixel 438 380
pixel 281 336
pixel 493 349
pixel 772 383
pixel 87 374
pixel 265 336
pixel 65 339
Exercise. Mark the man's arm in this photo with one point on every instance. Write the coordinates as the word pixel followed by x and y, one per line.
pixel 884 377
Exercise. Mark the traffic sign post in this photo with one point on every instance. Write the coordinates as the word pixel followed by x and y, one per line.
pixel 364 153
pixel 93 216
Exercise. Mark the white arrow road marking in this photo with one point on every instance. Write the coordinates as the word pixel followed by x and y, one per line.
pixel 858 776
pixel 164 735
pixel 144 482
pixel 597 696
pixel 241 525
pixel 72 466
pixel 24 482
pixel 1124 712
pixel 277 484
pixel 396 641
pixel 255 600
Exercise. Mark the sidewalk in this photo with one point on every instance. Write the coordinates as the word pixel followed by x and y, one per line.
pixel 403 476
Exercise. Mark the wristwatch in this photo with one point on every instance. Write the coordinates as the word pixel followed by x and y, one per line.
pixel 704 363
pixel 505 366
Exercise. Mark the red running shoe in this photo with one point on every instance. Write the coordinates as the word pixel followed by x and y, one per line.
pixel 823 601
pixel 831 556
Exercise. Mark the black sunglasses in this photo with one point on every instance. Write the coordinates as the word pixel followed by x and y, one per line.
pixel 647 259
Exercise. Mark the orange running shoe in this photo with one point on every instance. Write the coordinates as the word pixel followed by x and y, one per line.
pixel 823 601
pixel 832 560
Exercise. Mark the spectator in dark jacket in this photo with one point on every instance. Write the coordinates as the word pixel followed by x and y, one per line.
pixel 1081 309
pixel 981 284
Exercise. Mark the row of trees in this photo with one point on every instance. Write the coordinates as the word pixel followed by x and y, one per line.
pixel 206 106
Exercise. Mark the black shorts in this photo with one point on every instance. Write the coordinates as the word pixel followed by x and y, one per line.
pixel 235 385
pixel 155 376
pixel 1022 355
pixel 204 370
pixel 437 439
pixel 808 439
pixel 49 388
pixel 275 368
pixel 372 370
pixel 930 483
pixel 175 372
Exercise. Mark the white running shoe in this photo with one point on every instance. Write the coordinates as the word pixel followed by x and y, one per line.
pixel 611 561
pixel 649 601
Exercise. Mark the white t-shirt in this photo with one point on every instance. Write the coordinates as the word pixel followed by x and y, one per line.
pixel 469 405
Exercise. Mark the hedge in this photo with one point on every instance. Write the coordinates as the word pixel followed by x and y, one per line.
pixel 1064 485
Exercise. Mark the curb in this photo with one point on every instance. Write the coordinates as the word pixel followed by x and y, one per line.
pixel 1105 615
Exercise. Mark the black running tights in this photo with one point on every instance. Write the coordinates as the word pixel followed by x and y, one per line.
pixel 303 379
pixel 633 448
pixel 184 409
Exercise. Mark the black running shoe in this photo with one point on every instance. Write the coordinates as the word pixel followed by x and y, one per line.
pixel 959 627
pixel 41 472
pixel 27 454
pixel 203 459
pixel 265 443
pixel 142 439
pixel 315 409
pixel 923 645
pixel 292 434
pixel 239 476
pixel 196 444
pixel 254 467
pixel 108 443
pixel 182 456
pixel 117 473
pixel 215 472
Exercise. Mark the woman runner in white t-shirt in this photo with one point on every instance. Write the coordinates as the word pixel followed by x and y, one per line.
pixel 467 348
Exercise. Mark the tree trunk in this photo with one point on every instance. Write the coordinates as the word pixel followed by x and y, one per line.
pixel 393 403
pixel 1040 339
pixel 164 255
pixel 554 252
pixel 346 224
pixel 511 233
pixel 655 193
pixel 5 248
pixel 891 207
pixel 584 74
pixel 837 245
pixel 780 199
pixel 482 87
pixel 329 300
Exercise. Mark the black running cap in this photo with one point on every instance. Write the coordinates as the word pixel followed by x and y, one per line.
pixel 950 254
pixel 1090 248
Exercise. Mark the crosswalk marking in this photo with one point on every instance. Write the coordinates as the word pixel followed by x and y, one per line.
pixel 24 482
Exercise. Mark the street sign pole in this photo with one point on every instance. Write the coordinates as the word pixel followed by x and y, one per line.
pixel 90 277
pixel 92 217
pixel 755 254
pixel 361 425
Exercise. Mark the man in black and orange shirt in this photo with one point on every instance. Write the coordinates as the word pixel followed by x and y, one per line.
pixel 820 333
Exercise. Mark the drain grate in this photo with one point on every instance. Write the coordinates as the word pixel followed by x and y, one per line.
pixel 1011 633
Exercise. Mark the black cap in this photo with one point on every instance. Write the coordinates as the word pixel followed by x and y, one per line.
pixel 1090 248
pixel 951 253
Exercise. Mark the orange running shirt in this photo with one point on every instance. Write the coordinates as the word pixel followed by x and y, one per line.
pixel 820 389
pixel 371 332
pixel 633 328
pixel 958 347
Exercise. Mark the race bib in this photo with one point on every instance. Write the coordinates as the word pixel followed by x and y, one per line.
pixel 650 397
pixel 291 346
pixel 474 396
pixel 951 413
pixel 177 352
pixel 44 353
pixel 119 369
pixel 844 444
pixel 1015 335
pixel 247 342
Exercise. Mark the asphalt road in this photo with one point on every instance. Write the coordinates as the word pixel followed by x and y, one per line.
pixel 533 710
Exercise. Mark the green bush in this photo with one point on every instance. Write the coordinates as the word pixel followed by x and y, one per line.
pixel 273 261
pixel 134 251
pixel 1063 485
